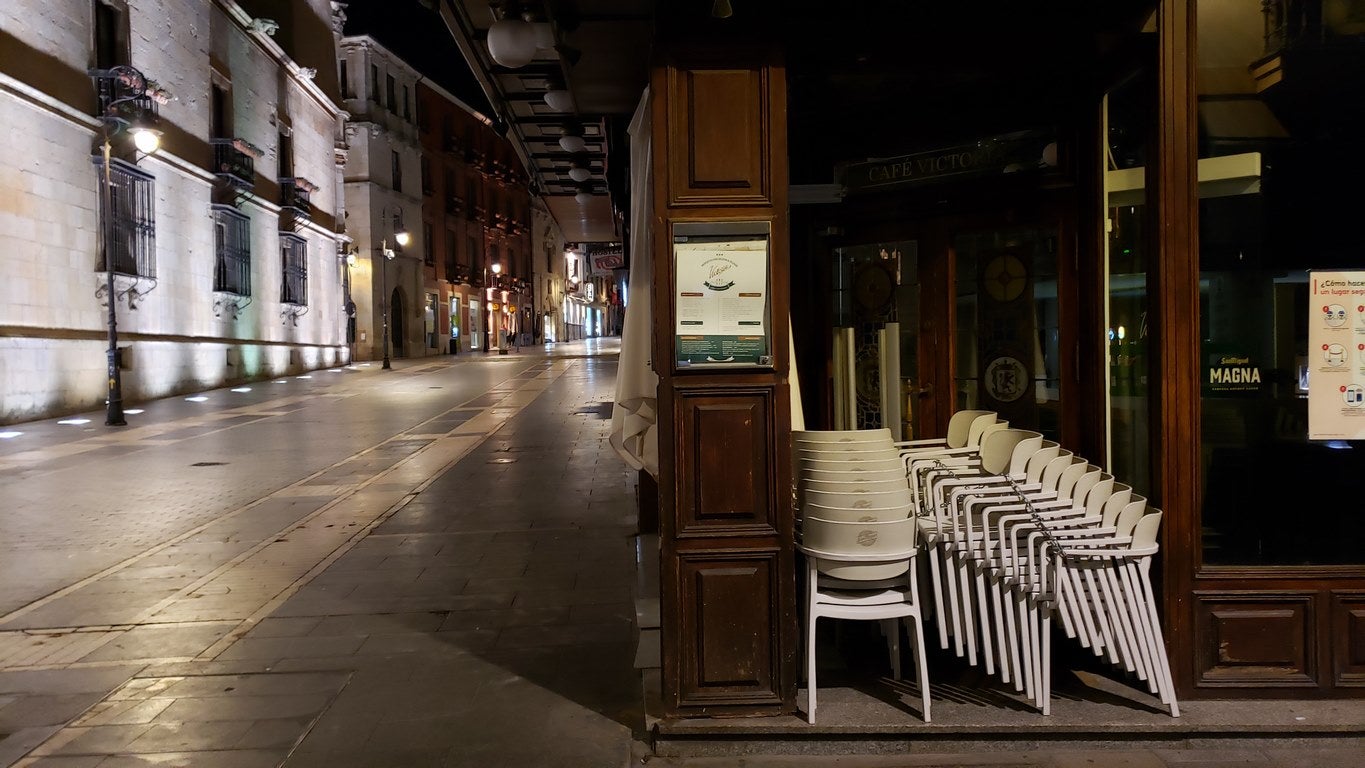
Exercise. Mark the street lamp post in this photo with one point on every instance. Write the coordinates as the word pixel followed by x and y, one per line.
pixel 494 322
pixel 401 238
pixel 147 141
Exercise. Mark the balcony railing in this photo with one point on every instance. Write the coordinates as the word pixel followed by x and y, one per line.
pixel 232 164
pixel 296 193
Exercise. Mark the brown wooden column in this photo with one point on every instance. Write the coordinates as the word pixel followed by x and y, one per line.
pixel 1176 292
pixel 727 568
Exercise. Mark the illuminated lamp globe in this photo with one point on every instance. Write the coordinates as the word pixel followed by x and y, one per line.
pixel 146 140
pixel 402 238
pixel 497 267
pixel 559 100
pixel 572 143
pixel 583 198
pixel 512 42
pixel 579 173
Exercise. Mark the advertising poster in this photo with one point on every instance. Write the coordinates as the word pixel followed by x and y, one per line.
pixel 722 302
pixel 1336 356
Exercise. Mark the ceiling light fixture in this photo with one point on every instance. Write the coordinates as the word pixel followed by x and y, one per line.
pixel 572 144
pixel 583 197
pixel 559 100
pixel 512 42
pixel 579 173
pixel 721 9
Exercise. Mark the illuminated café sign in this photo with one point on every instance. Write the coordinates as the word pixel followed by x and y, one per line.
pixel 1000 154
pixel 606 261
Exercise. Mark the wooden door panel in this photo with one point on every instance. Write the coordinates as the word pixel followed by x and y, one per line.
pixel 725 444
pixel 729 601
pixel 1256 639
pixel 718 137
pixel 1348 638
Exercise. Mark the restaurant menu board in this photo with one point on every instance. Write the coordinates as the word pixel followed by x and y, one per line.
pixel 1336 356
pixel 722 301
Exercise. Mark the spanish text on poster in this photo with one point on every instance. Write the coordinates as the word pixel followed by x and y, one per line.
pixel 722 301
pixel 1336 355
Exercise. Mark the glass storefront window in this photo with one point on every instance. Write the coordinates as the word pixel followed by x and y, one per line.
pixel 1007 336
pixel 1128 111
pixel 1280 116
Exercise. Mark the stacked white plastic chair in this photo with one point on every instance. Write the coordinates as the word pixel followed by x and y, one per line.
pixel 860 540
pixel 1024 530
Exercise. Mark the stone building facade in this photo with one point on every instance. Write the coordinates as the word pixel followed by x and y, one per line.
pixel 224 240
pixel 476 210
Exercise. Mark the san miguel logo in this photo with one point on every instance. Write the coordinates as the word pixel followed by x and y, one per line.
pixel 716 274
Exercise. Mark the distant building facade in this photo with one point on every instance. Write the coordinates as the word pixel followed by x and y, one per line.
pixel 223 241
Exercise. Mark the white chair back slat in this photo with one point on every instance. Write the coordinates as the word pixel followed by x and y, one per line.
pixel 841 435
pixel 843 473
pixel 856 485
pixel 861 538
pixel 960 426
pixel 977 432
pixel 899 497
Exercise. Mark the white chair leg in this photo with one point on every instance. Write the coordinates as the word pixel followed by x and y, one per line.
pixel 810 670
pixel 939 618
pixel 915 632
pixel 1045 673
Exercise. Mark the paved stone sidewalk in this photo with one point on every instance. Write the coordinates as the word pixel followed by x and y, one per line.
pixel 457 591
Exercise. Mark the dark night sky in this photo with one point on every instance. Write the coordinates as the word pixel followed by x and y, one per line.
pixel 418 36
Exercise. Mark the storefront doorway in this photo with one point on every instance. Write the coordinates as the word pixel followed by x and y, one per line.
pixel 931 317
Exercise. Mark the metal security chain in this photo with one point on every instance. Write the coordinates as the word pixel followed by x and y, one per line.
pixel 1050 541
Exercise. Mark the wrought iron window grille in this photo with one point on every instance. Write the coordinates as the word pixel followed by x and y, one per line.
pixel 294 271
pixel 232 268
pixel 132 228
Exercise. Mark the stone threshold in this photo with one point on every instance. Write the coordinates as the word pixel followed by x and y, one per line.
pixel 1089 712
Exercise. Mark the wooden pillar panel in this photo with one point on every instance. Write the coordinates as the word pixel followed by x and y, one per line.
pixel 718 136
pixel 1348 638
pixel 727 561
pixel 1256 639
pixel 725 443
pixel 728 603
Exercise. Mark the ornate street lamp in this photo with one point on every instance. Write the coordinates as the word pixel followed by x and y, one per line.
pixel 125 106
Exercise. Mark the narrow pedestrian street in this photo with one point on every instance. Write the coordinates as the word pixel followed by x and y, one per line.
pixel 431 565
